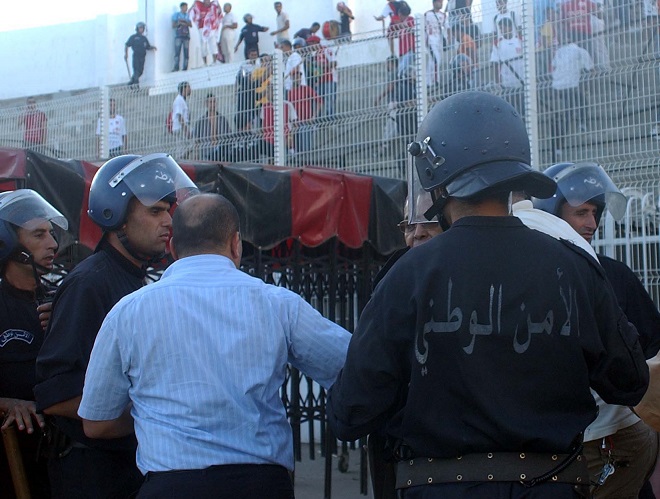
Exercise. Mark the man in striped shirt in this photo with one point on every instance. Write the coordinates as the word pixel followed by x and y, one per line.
pixel 195 363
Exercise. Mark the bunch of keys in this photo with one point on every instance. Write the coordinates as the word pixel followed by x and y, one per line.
pixel 608 469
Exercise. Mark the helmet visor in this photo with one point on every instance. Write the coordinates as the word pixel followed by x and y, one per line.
pixel 586 181
pixel 419 200
pixel 155 177
pixel 26 208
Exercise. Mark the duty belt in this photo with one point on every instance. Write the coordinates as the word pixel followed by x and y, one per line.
pixel 524 467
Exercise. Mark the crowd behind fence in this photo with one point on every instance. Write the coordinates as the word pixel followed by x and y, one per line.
pixel 588 90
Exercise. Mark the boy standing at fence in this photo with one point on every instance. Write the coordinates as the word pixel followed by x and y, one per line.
pixel 181 24
pixel 116 132
pixel 139 43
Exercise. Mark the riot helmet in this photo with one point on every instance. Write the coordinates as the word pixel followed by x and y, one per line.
pixel 149 178
pixel 474 142
pixel 140 25
pixel 26 209
pixel 578 183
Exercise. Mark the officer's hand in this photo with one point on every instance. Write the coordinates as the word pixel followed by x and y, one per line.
pixel 22 412
pixel 44 310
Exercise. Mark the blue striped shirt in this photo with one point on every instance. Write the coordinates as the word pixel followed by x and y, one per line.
pixel 202 355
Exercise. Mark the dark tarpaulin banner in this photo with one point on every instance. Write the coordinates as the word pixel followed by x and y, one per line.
pixel 312 205
pixel 262 197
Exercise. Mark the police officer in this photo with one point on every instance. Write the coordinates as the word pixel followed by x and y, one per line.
pixel 130 198
pixel 27 251
pixel 477 349
pixel 621 450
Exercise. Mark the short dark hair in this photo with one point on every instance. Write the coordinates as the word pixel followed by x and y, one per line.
pixel 285 42
pixel 204 223
pixel 182 85
pixel 182 4
pixel 316 25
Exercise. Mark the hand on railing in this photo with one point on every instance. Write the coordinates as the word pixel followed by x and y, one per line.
pixel 23 412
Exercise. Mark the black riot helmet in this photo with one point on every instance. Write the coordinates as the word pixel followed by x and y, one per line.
pixel 471 143
pixel 149 178
pixel 579 183
pixel 26 209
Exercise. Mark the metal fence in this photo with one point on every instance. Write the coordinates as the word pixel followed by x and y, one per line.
pixel 588 87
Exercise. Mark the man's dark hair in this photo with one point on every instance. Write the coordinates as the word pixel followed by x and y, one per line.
pixel 182 85
pixel 203 224
pixel 182 4
pixel 316 25
pixel 285 42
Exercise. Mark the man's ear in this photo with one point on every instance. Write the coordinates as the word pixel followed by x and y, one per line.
pixel 173 249
pixel 236 248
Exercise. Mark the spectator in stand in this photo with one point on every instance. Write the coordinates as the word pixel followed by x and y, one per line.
pixel 139 43
pixel 282 23
pixel 268 125
pixel 504 13
pixel 576 18
pixel 406 114
pixel 391 11
pixel 466 61
pixel 262 76
pixel 228 34
pixel 390 130
pixel 206 15
pixel 293 62
pixel 307 105
pixel 310 57
pixel 326 59
pixel 35 126
pixel 181 120
pixel 457 12
pixel 568 66
pixel 116 132
pixel 403 29
pixel 305 33
pixel 249 34
pixel 435 23
pixel 209 131
pixel 507 55
pixel 245 92
pixel 181 25
pixel 345 19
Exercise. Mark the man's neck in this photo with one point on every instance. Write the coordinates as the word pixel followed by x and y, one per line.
pixel 20 276
pixel 114 241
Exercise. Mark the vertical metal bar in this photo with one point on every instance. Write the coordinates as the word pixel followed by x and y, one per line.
pixel 531 91
pixel 104 117
pixel 278 108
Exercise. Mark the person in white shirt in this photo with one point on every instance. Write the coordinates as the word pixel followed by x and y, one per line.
pixel 181 120
pixel 507 54
pixel 116 132
pixel 228 33
pixel 282 20
pixel 293 63
pixel 568 65
pixel 435 21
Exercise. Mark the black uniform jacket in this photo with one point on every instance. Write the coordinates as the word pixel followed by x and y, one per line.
pixel 81 303
pixel 485 339
pixel 635 303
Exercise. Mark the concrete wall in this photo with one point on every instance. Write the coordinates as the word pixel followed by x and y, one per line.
pixel 89 53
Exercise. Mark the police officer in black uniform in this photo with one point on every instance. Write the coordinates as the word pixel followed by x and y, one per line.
pixel 130 198
pixel 477 349
pixel 27 251
pixel 621 450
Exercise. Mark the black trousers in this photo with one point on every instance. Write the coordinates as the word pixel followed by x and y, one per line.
pixel 85 473
pixel 138 67
pixel 233 481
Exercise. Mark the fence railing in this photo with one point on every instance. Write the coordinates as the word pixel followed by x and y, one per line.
pixel 587 90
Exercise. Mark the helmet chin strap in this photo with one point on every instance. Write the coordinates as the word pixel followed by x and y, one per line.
pixel 143 257
pixel 24 257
